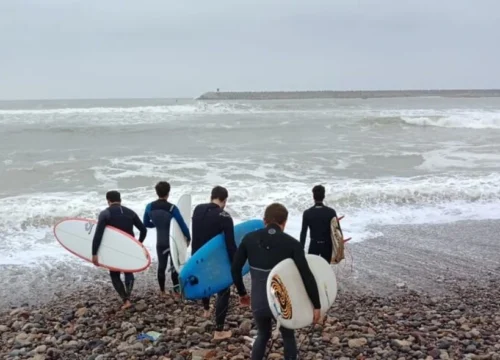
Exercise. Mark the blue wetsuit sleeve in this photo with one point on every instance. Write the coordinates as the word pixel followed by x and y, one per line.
pixel 239 260
pixel 146 219
pixel 303 232
pixel 178 217
pixel 99 231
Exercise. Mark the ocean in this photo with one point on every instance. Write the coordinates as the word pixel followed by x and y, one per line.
pixel 404 161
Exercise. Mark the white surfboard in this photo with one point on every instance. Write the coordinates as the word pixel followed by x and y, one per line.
pixel 178 243
pixel 118 250
pixel 287 296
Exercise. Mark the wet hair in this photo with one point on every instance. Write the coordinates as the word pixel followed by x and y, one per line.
pixel 276 214
pixel 219 193
pixel 113 196
pixel 162 189
pixel 318 193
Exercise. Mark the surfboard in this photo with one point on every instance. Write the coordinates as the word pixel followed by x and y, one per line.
pixel 208 271
pixel 338 241
pixel 178 243
pixel 287 296
pixel 119 251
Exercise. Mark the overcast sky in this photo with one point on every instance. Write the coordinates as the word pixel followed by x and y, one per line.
pixel 131 48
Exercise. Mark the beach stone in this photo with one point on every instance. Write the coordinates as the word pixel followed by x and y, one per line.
pixel 245 327
pixel 202 354
pixel 41 349
pixel 356 343
pixel 400 343
pixel 275 356
pixel 81 312
pixel 141 306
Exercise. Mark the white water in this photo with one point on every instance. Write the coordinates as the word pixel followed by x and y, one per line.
pixel 379 161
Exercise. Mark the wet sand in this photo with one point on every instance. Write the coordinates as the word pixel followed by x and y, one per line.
pixel 431 259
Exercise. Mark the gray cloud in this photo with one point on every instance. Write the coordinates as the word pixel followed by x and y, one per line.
pixel 66 49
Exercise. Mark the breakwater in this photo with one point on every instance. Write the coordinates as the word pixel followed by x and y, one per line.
pixel 354 94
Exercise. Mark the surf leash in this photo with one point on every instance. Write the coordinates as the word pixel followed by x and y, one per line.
pixel 274 336
pixel 308 336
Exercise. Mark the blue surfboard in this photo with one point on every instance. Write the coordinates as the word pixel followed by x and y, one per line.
pixel 208 271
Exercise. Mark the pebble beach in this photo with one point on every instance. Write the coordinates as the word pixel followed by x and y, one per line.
pixel 455 315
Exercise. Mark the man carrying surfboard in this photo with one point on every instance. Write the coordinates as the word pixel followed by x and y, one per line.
pixel 264 249
pixel 209 220
pixel 318 220
pixel 159 214
pixel 124 219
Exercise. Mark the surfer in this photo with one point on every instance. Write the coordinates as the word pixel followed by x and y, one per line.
pixel 318 218
pixel 124 219
pixel 159 214
pixel 264 249
pixel 209 220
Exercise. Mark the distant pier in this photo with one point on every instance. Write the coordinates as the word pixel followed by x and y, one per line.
pixel 355 94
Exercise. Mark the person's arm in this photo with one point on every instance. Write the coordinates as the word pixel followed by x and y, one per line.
pixel 303 232
pixel 307 276
pixel 146 219
pixel 99 231
pixel 238 262
pixel 178 217
pixel 228 229
pixel 139 225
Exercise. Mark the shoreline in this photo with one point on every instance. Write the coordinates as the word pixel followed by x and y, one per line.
pixel 347 94
pixel 423 258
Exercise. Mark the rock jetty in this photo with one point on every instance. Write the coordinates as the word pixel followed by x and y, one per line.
pixel 354 94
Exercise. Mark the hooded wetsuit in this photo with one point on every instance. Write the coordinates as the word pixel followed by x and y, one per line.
pixel 123 219
pixel 159 214
pixel 318 219
pixel 264 249
pixel 209 220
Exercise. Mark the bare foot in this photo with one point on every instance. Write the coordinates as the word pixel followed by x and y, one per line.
pixel 163 294
pixel 222 335
pixel 206 314
pixel 126 305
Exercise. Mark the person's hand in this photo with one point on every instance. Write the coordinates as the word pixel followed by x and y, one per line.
pixel 245 300
pixel 95 261
pixel 316 316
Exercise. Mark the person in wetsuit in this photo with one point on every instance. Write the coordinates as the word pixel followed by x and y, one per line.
pixel 264 249
pixel 318 218
pixel 209 220
pixel 124 219
pixel 159 214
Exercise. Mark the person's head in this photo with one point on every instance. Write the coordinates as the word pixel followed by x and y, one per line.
pixel 318 193
pixel 276 214
pixel 219 196
pixel 162 189
pixel 113 197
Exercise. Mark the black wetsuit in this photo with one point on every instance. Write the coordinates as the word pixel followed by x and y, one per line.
pixel 318 219
pixel 159 214
pixel 124 219
pixel 264 249
pixel 209 220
